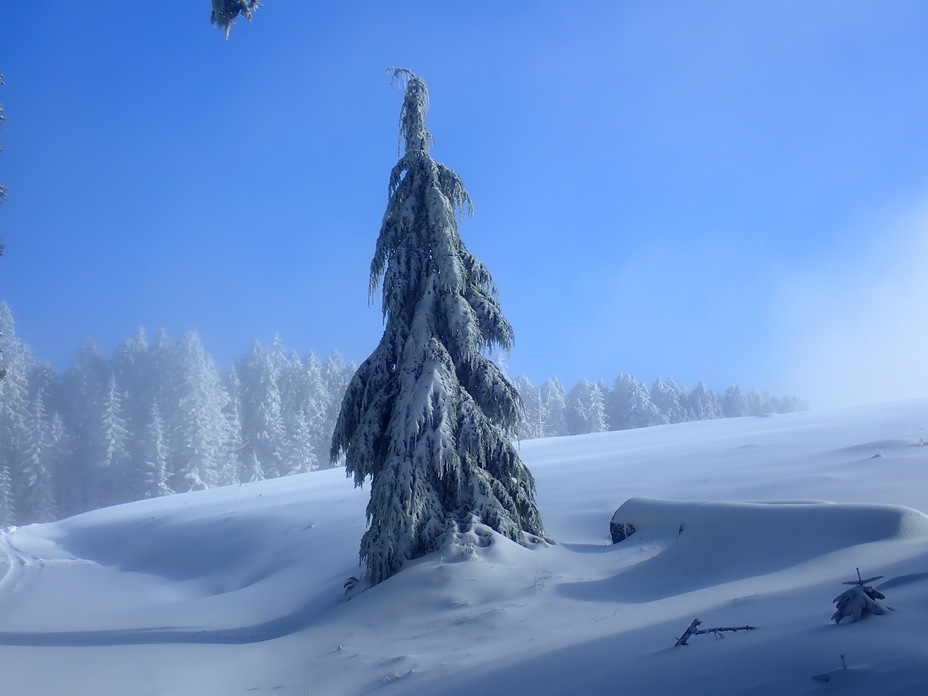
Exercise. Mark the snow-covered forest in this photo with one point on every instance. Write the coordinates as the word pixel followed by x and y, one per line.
pixel 593 407
pixel 158 417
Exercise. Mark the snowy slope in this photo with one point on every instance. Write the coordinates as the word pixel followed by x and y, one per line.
pixel 239 590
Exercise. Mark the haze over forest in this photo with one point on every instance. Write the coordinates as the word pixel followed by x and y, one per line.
pixel 158 417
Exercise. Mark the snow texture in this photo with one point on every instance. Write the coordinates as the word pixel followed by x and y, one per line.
pixel 240 589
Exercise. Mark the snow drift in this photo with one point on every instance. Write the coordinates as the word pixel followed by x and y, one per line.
pixel 240 590
pixel 713 543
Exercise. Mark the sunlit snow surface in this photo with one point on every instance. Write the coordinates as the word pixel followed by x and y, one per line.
pixel 239 590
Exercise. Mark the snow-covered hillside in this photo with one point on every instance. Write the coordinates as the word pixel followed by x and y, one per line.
pixel 239 590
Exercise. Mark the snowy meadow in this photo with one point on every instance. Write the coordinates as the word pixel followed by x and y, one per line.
pixel 240 590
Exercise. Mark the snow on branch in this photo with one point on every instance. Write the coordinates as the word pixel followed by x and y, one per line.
pixel 694 630
pixel 428 417
pixel 225 12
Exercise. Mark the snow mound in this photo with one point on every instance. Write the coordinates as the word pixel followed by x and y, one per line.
pixel 225 551
pixel 710 543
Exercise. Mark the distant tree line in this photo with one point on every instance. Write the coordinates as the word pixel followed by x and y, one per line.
pixel 592 407
pixel 158 418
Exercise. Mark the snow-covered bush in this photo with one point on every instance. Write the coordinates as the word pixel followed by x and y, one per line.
pixel 858 600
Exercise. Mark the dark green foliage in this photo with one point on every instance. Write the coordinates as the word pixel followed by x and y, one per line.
pixel 225 12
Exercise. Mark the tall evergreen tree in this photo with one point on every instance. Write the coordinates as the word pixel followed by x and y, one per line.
pixel 545 408
pixel 251 467
pixel 263 431
pixel 703 403
pixel 151 474
pixel 336 375
pixel 82 394
pixel 133 367
pixel 198 420
pixel 60 453
pixel 671 399
pixel 12 413
pixel 552 408
pixel 7 502
pixel 111 450
pixel 530 427
pixel 428 416
pixel 35 498
pixel 586 410
pixel 629 405
pixel 233 413
pixel 14 405
pixel 312 402
pixel 302 412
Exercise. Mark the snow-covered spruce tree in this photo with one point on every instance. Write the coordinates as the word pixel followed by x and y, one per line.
pixel 703 403
pixel 17 361
pixel 36 501
pixel 7 503
pixel 629 405
pixel 529 428
pixel 151 476
pixel 263 430
pixel 670 398
pixel 428 416
pixel 110 478
pixel 336 375
pixel 552 408
pixel 197 420
pixel 585 410
pixel 80 404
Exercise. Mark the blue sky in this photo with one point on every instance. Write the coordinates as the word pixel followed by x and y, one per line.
pixel 721 191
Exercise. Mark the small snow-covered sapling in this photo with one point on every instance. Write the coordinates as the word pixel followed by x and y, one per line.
pixel 858 600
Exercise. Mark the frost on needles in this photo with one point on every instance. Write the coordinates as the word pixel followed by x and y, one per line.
pixel 428 416
pixel 225 12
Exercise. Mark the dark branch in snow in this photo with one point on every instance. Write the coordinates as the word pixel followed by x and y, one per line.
pixel 694 630
pixel 860 582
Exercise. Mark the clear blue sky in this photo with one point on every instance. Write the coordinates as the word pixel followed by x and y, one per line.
pixel 726 191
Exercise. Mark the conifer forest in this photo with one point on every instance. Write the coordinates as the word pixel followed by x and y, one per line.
pixel 159 417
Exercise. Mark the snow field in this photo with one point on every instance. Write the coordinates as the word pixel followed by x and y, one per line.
pixel 239 590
